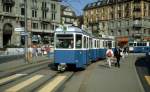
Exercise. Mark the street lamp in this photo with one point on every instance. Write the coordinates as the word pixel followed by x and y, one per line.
pixel 26 36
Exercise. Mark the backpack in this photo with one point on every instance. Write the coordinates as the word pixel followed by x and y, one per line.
pixel 109 54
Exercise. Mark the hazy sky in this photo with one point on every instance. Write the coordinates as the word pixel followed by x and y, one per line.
pixel 78 5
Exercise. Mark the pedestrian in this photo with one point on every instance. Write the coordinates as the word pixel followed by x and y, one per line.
pixel 48 51
pixel 109 56
pixel 118 56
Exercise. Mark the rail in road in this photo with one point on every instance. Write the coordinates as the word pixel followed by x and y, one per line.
pixel 37 79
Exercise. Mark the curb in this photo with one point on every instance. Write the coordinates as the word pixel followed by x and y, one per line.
pixel 141 86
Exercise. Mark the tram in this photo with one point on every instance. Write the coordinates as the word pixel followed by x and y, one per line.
pixel 139 47
pixel 77 48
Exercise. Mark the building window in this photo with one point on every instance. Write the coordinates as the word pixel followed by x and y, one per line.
pixel 112 32
pixel 35 25
pixel 34 1
pixel 22 11
pixel 22 24
pixel 53 16
pixel 144 31
pixel 53 27
pixel 127 31
pixel 119 32
pixel 7 8
pixel 44 10
pixel 34 13
pixel 53 6
pixel 44 26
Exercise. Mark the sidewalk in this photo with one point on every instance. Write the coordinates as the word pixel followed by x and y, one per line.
pixel 21 62
pixel 98 77
pixel 123 79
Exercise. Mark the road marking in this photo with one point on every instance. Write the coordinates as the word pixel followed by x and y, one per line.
pixel 24 84
pixel 51 85
pixel 13 77
pixel 147 79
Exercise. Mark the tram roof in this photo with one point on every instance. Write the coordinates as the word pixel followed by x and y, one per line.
pixel 69 29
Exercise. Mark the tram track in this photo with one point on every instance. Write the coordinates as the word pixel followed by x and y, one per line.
pixel 12 71
pixel 33 80
pixel 17 75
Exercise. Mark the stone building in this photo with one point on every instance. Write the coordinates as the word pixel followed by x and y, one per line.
pixel 68 15
pixel 126 19
pixel 43 16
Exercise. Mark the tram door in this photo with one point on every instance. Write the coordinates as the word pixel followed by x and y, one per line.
pixel 78 47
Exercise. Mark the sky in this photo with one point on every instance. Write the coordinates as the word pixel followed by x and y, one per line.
pixel 78 5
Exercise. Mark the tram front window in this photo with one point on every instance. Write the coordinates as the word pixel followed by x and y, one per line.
pixel 64 41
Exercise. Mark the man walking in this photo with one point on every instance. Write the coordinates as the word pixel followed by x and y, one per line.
pixel 117 55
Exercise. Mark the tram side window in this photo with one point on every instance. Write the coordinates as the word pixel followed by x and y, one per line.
pixel 135 44
pixel 90 44
pixel 64 41
pixel 144 44
pixel 130 44
pixel 84 41
pixel 78 41
pixel 95 43
pixel 109 44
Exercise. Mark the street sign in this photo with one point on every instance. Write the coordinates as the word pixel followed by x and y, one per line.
pixel 19 29
pixel 24 33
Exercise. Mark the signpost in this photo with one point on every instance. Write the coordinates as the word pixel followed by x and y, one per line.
pixel 19 29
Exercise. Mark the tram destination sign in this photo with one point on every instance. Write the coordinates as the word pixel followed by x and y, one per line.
pixel 19 29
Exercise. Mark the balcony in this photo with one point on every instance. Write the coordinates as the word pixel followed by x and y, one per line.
pixel 44 8
pixel 34 7
pixel 137 15
pixel 8 2
pixel 137 24
pixel 137 9
pixel 136 0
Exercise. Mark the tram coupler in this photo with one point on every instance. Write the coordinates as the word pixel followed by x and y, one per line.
pixel 62 67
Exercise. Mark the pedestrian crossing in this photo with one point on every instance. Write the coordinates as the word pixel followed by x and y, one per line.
pixel 44 83
pixel 148 79
pixel 10 78
pixel 24 84
pixel 51 85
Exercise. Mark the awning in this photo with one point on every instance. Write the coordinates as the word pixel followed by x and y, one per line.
pixel 122 39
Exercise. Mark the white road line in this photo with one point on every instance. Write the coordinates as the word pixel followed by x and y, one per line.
pixel 24 84
pixel 7 79
pixel 52 84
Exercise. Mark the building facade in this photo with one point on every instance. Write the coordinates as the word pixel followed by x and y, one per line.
pixel 43 16
pixel 68 15
pixel 125 19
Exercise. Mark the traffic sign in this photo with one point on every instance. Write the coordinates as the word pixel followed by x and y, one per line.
pixel 19 29
pixel 24 33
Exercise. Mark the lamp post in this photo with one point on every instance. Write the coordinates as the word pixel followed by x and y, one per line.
pixel 26 36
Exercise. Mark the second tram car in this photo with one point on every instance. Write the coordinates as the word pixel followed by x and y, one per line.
pixel 139 47
pixel 75 47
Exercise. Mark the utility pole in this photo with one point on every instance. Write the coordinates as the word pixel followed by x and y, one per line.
pixel 26 31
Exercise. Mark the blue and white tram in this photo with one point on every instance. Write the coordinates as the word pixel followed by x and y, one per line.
pixel 75 47
pixel 71 48
pixel 139 47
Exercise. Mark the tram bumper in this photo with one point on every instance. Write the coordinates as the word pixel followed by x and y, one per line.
pixel 62 67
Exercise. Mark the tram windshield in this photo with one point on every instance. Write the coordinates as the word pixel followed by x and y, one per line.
pixel 64 41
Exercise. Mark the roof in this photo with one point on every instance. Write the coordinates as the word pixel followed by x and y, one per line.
pixel 68 29
pixel 100 3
